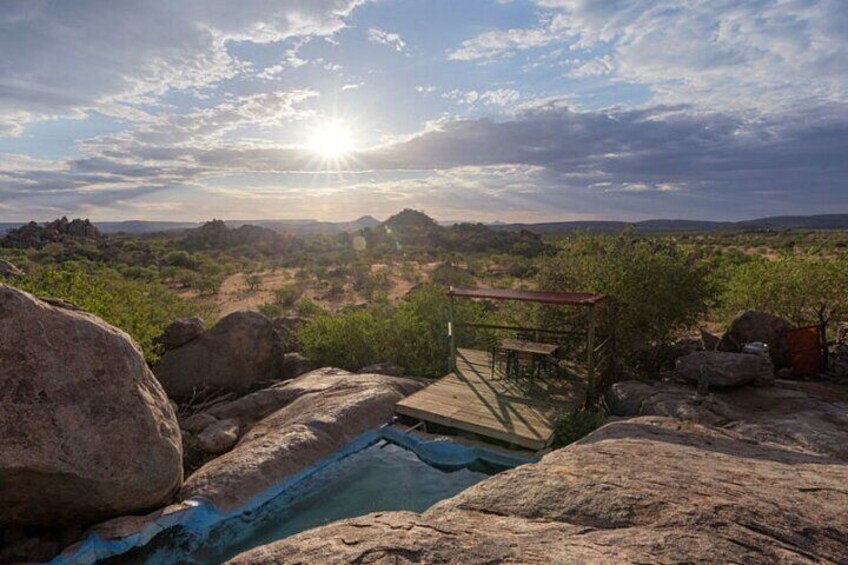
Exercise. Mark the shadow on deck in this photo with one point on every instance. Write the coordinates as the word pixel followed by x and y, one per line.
pixel 473 399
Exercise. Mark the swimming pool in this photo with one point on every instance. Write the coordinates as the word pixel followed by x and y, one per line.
pixel 382 471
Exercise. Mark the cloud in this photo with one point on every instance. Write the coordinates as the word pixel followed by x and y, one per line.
pixel 500 43
pixel 502 97
pixel 393 40
pixel 63 59
pixel 765 55
pixel 598 66
pixel 649 162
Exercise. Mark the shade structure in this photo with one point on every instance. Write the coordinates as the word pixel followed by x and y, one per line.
pixel 546 297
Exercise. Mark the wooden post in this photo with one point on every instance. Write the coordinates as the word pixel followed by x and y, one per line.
pixel 613 361
pixel 452 334
pixel 590 344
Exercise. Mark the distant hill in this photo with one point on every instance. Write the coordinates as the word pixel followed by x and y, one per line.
pixel 414 230
pixel 313 227
pixel 775 223
pixel 295 227
pixel 62 230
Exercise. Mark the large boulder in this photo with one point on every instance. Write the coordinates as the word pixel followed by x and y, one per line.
pixel 86 431
pixel 724 369
pixel 180 332
pixel 754 326
pixel 645 490
pixel 240 351
pixel 308 419
pixel 288 327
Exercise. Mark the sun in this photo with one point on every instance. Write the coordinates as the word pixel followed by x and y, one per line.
pixel 331 140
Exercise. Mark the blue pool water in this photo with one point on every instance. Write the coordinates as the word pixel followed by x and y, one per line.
pixel 381 477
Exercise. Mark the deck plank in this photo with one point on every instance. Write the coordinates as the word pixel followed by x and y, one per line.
pixel 474 400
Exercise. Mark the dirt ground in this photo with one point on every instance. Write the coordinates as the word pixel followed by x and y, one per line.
pixel 234 294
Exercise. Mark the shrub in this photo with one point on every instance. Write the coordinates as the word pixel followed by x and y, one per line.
pixel 271 310
pixel 349 341
pixel 142 309
pixel 182 259
pixel 575 425
pixel 307 308
pixel 792 287
pixel 657 290
pixel 412 335
pixel 252 282
pixel 448 274
pixel 287 296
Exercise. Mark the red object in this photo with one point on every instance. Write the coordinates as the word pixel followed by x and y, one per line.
pixel 570 298
pixel 805 351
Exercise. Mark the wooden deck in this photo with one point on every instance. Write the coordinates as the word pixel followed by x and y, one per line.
pixel 471 399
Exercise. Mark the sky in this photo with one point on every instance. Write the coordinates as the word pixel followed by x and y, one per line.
pixel 477 110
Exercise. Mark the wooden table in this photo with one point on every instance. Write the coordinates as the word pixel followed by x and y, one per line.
pixel 537 352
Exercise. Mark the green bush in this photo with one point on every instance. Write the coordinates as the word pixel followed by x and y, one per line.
pixel 657 289
pixel 575 425
pixel 349 341
pixel 307 308
pixel 792 287
pixel 142 309
pixel 412 335
pixel 252 282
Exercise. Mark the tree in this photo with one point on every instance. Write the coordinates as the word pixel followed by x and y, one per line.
pixel 792 287
pixel 657 290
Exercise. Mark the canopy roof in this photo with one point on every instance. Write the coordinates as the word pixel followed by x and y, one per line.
pixel 548 297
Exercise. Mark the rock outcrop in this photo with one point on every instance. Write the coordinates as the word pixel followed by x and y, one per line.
pixel 287 327
pixel 180 332
pixel 240 351
pixel 86 431
pixel 308 419
pixel 649 489
pixel 723 369
pixel 753 326
pixel 219 437
pixel 215 234
pixel 295 364
pixel 57 231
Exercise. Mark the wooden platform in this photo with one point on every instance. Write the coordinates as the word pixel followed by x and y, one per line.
pixel 471 399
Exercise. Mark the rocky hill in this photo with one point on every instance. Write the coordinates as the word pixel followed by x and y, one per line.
pixel 414 230
pixel 58 231
pixel 216 234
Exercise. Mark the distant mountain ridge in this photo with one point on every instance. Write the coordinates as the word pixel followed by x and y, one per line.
pixel 312 227
pixel 772 223
pixel 295 227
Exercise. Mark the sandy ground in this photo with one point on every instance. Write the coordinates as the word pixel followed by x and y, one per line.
pixel 234 295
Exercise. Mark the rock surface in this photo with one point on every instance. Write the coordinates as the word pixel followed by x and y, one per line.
pixel 287 327
pixel 238 352
pixel 384 369
pixel 9 270
pixel 723 369
pixel 181 331
pixel 86 431
pixel 295 364
pixel 308 419
pixel 219 436
pixel 650 489
pixel 753 326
